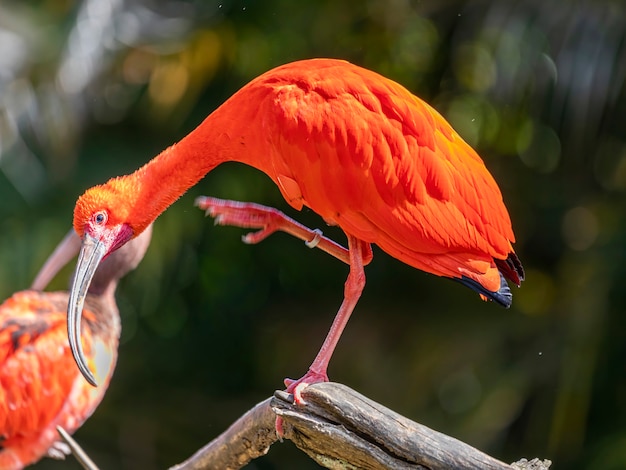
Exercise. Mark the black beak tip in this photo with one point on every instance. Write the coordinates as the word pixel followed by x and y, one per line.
pixel 81 362
pixel 90 378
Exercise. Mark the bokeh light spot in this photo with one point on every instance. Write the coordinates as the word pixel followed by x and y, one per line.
pixel 138 66
pixel 539 147
pixel 475 67
pixel 579 228
pixel 168 83
pixel 474 119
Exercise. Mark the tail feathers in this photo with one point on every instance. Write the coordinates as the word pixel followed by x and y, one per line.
pixel 512 268
pixel 503 295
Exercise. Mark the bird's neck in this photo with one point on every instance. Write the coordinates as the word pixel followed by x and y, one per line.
pixel 160 182
pixel 105 321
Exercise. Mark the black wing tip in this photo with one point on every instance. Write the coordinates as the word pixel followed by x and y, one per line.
pixel 512 268
pixel 503 296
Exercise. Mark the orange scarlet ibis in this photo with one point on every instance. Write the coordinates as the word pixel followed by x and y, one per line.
pixel 355 147
pixel 40 387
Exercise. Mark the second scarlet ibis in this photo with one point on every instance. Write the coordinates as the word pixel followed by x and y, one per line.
pixel 355 147
pixel 40 387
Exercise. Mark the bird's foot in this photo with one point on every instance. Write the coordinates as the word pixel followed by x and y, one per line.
pixel 247 215
pixel 59 450
pixel 295 387
pixel 269 220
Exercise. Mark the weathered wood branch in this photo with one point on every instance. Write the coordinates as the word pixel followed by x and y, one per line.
pixel 246 439
pixel 340 428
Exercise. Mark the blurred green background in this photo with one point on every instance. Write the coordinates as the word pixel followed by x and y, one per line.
pixel 93 89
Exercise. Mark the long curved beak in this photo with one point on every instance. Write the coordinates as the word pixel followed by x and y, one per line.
pixel 91 253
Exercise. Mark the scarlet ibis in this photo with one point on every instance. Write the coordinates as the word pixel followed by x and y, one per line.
pixel 355 147
pixel 40 388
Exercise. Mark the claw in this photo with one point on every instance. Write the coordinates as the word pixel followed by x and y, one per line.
pixel 253 238
pixel 295 387
pixel 280 431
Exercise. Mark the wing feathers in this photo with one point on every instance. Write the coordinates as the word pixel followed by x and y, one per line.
pixel 388 169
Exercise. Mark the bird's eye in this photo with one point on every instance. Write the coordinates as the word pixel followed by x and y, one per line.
pixel 100 218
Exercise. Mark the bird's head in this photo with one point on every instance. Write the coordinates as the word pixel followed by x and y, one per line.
pixel 103 218
pixel 110 213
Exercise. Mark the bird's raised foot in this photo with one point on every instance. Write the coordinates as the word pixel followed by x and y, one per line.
pixel 267 220
pixel 245 215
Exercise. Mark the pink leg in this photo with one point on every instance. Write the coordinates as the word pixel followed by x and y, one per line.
pixel 269 220
pixel 352 292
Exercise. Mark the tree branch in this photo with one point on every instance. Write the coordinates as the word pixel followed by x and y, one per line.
pixel 246 439
pixel 340 428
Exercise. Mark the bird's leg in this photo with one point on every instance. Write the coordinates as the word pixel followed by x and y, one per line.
pixel 352 292
pixel 269 220
pixel 74 448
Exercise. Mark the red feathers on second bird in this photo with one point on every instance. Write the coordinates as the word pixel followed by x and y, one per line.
pixel 40 386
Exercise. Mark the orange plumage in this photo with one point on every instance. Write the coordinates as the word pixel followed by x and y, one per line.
pixel 40 387
pixel 355 147
pixel 367 155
